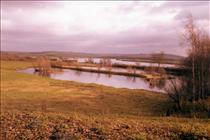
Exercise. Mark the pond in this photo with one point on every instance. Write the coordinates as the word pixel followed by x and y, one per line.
pixel 117 81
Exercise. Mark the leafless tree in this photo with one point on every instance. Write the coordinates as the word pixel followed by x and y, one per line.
pixel 44 65
pixel 195 85
pixel 161 71
pixel 99 66
pixel 107 63
pixel 129 69
pixel 90 60
pixel 138 64
pixel 158 58
pixel 176 90
pixel 198 61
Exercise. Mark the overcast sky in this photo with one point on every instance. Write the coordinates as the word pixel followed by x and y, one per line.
pixel 99 27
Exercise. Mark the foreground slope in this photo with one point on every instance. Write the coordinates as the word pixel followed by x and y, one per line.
pixel 43 108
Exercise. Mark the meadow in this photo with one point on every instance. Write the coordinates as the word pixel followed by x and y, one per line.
pixel 34 107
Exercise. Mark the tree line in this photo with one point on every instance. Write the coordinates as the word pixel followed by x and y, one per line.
pixel 191 92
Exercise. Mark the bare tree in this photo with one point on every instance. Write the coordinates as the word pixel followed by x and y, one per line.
pixel 195 85
pixel 150 69
pixel 138 64
pixel 90 60
pixel 161 71
pixel 158 58
pixel 44 65
pixel 99 66
pixel 176 90
pixel 198 60
pixel 107 63
pixel 129 69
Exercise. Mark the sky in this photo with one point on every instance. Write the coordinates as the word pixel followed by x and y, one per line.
pixel 99 26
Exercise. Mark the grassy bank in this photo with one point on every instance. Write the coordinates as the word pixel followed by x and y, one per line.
pixel 38 107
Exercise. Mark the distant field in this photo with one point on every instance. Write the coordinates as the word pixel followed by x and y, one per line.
pixel 168 58
pixel 42 108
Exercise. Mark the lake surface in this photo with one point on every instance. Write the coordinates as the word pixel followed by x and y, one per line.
pixel 117 81
pixel 117 61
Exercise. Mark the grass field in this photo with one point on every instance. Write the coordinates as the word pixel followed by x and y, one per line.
pixel 34 107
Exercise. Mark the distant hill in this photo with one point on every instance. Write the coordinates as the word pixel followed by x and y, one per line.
pixel 78 54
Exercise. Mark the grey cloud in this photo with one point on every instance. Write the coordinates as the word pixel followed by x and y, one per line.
pixel 198 13
pixel 199 9
pixel 131 41
pixel 23 37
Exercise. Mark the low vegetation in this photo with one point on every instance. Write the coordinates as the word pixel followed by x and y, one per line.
pixel 34 107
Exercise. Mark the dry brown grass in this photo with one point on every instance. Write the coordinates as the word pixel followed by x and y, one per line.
pixel 105 112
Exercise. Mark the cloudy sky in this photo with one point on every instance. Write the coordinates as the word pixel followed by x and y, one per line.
pixel 98 27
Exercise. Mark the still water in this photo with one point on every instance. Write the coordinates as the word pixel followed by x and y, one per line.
pixel 118 61
pixel 117 81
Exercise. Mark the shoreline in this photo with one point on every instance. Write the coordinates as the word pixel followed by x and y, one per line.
pixel 141 75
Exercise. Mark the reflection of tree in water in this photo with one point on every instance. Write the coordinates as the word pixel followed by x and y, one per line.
pixel 131 78
pixel 42 73
pixel 59 69
pixel 109 75
pixel 159 83
pixel 78 72
pixel 151 84
pixel 134 79
pixel 98 75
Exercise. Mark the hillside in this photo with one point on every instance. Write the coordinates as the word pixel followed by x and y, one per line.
pixel 77 54
pixel 34 107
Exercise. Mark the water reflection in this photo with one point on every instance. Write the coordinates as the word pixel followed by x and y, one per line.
pixel 131 78
pixel 42 73
pixel 117 81
pixel 160 83
pixel 78 72
pixel 124 62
